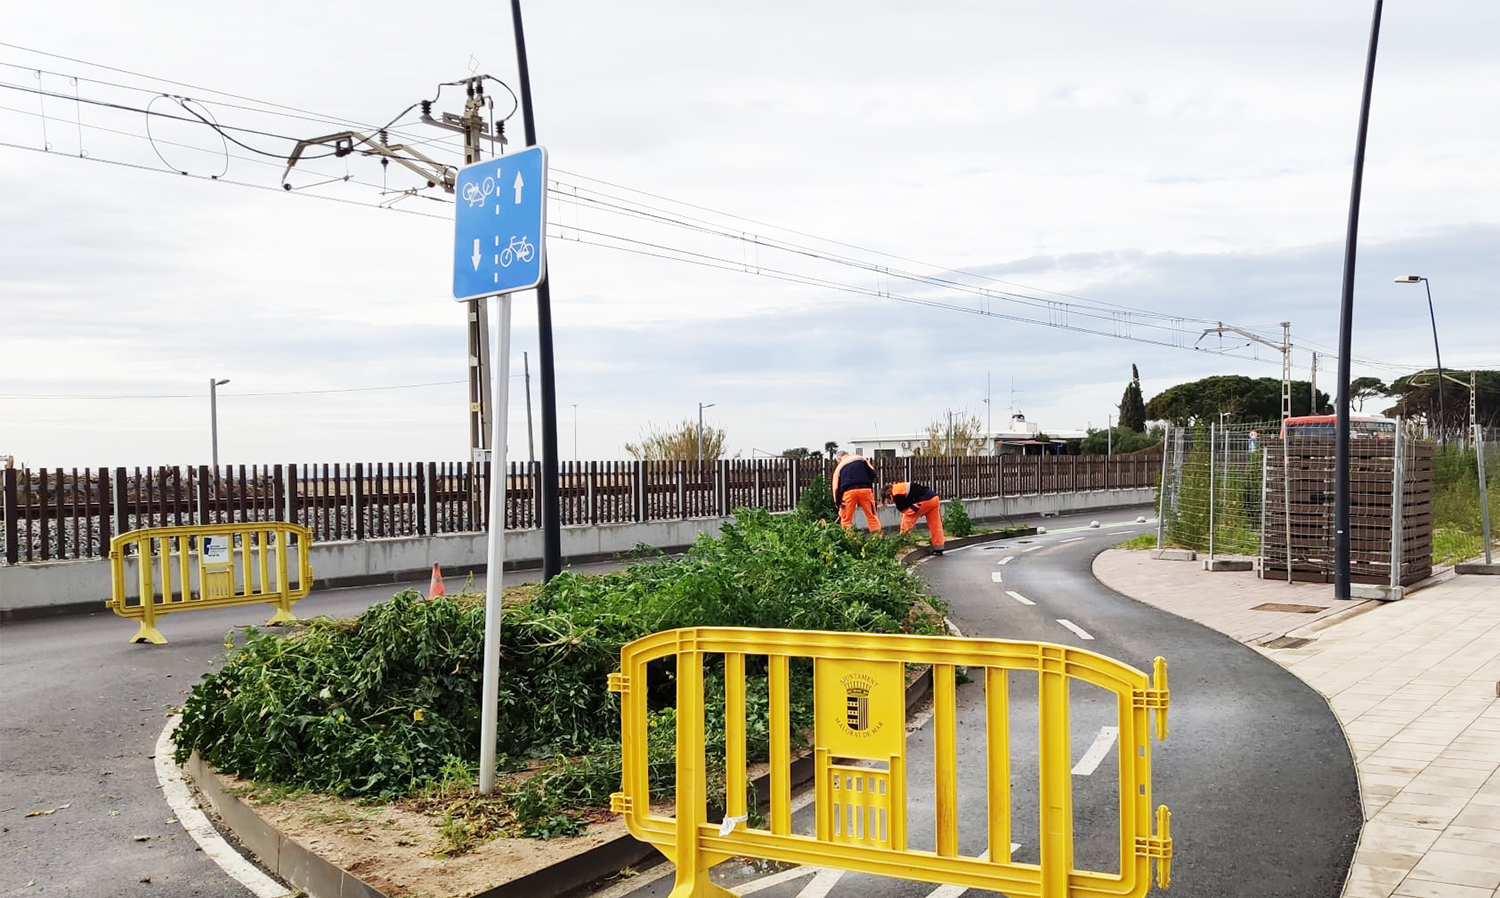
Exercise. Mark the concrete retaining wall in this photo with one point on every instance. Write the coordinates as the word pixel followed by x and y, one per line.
pixel 68 587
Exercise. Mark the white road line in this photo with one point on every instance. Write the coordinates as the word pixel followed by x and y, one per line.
pixel 1018 597
pixel 180 800
pixel 776 879
pixel 1005 560
pixel 1032 548
pixel 1072 540
pixel 995 576
pixel 1091 758
pixel 1082 634
pixel 821 885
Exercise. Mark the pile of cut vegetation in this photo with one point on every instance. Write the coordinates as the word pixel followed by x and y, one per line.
pixel 386 706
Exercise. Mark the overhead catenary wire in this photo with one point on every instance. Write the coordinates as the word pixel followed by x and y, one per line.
pixel 1121 319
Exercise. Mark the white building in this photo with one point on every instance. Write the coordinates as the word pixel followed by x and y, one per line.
pixel 1018 438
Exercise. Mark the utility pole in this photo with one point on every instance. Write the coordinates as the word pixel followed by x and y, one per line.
pixel 530 442
pixel 1313 408
pixel 1285 348
pixel 472 125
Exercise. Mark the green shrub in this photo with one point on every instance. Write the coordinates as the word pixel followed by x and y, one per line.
pixel 956 520
pixel 387 704
pixel 816 502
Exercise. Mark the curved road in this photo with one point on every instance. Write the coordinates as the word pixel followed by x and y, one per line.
pixel 1256 770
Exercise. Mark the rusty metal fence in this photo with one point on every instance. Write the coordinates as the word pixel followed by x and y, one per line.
pixel 52 514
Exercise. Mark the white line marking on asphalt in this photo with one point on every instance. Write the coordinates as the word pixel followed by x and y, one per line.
pixel 1072 540
pixel 776 879
pixel 1005 560
pixel 1091 758
pixel 1082 634
pixel 180 800
pixel 821 885
pixel 1018 597
pixel 1032 548
pixel 995 575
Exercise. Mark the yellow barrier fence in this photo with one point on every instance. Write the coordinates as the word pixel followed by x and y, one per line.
pixel 214 564
pixel 861 766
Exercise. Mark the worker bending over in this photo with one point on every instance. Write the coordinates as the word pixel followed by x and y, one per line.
pixel 854 487
pixel 915 501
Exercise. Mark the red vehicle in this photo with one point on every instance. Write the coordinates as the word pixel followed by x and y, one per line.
pixel 1325 426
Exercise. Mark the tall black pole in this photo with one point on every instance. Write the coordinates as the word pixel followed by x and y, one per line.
pixel 1346 323
pixel 1442 418
pixel 551 528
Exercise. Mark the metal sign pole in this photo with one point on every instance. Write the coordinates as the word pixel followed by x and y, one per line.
pixel 495 564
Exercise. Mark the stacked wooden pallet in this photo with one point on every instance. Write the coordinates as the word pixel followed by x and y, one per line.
pixel 1298 529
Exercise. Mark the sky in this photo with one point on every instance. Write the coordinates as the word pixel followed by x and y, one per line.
pixel 826 220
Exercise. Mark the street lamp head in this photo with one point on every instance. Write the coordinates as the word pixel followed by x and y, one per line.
pixel 1410 279
pixel 220 383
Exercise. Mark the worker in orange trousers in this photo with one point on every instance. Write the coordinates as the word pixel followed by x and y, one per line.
pixel 854 487
pixel 914 501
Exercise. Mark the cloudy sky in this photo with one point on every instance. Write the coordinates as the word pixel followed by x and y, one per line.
pixel 831 220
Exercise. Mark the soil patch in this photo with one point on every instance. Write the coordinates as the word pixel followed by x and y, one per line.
pixel 401 849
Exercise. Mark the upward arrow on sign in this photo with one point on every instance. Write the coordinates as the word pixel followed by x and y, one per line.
pixel 519 184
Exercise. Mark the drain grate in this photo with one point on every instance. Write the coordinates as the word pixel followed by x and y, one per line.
pixel 1286 642
pixel 1295 609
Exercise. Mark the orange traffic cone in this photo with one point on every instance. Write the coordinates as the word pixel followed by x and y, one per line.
pixel 435 589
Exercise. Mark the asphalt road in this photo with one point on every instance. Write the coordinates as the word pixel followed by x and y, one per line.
pixel 83 709
pixel 1256 770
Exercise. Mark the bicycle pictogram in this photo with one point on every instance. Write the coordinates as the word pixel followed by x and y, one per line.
pixel 476 192
pixel 519 248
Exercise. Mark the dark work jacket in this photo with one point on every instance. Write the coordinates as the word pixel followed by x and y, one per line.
pixel 855 473
pixel 905 495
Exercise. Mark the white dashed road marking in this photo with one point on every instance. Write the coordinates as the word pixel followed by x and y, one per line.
pixel 1082 634
pixel 1005 560
pixel 1018 597
pixel 1096 753
pixel 995 576
pixel 1073 540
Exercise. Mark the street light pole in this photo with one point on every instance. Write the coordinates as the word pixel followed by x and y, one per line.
pixel 213 417
pixel 701 407
pixel 1442 421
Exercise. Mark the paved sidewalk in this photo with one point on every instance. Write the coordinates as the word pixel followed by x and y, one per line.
pixel 1414 684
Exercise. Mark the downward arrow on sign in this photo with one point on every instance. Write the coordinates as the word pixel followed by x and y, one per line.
pixel 476 254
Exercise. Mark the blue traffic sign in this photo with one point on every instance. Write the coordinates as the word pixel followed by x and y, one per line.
pixel 500 222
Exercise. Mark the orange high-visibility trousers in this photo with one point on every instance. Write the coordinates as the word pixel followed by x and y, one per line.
pixel 932 509
pixel 863 499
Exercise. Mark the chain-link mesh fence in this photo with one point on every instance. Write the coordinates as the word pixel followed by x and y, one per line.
pixel 1466 477
pixel 1212 496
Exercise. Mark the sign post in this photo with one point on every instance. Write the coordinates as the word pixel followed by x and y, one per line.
pixel 499 247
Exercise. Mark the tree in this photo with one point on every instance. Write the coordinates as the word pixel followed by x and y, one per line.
pixel 832 448
pixel 799 452
pixel 1132 405
pixel 1118 440
pixel 1417 396
pixel 1244 398
pixel 955 433
pixel 678 444
pixel 1362 388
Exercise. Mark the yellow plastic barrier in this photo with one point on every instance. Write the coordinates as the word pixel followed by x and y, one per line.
pixel 207 576
pixel 859 744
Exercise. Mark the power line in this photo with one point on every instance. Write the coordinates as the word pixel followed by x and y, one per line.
pixel 101 396
pixel 1121 320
